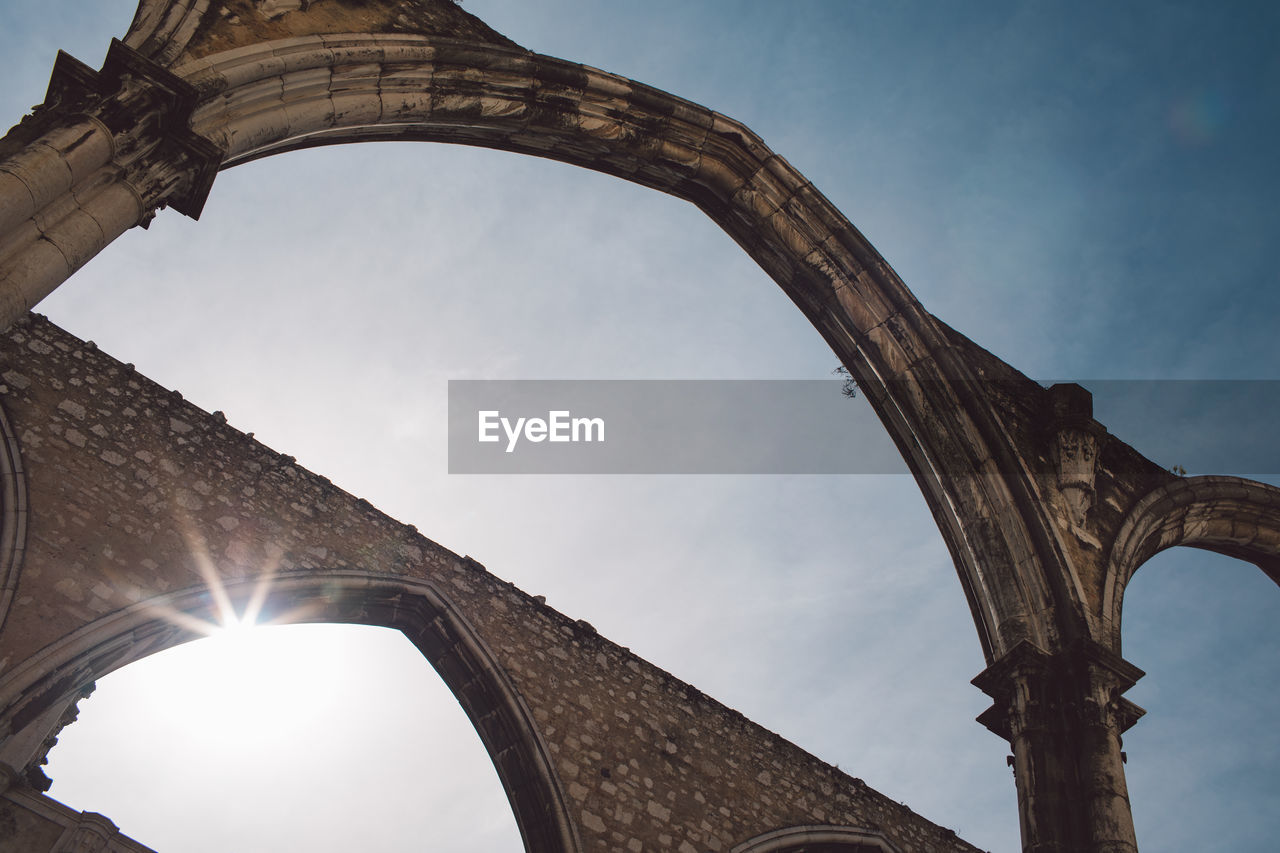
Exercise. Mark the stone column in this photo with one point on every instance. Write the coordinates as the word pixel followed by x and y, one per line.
pixel 102 153
pixel 1063 716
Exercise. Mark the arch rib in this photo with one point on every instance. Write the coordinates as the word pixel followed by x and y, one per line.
pixel 1229 515
pixel 817 837
pixel 13 514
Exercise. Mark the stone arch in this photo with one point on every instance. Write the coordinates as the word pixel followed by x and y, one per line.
pixel 976 449
pixel 817 839
pixel 417 608
pixel 316 90
pixel 1229 515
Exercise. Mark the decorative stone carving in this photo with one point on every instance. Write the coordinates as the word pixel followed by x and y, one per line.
pixel 276 8
pixel 1075 456
pixel 1077 451
pixel 33 774
pixel 147 111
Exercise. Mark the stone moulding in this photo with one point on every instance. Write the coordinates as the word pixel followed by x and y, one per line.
pixel 803 838
pixel 13 514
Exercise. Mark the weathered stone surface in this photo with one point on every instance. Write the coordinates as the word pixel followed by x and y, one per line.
pixel 179 31
pixel 1046 515
pixel 31 823
pixel 154 500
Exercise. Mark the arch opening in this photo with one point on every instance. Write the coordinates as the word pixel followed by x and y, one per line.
pixel 414 608
pixel 336 732
pixel 306 91
pixel 1208 742
pixel 1226 515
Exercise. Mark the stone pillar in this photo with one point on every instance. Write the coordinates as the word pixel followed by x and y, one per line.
pixel 102 153
pixel 1063 716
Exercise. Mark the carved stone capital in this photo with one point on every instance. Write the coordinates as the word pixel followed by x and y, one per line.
pixel 1074 449
pixel 1063 716
pixel 1078 685
pixel 1015 682
pixel 146 109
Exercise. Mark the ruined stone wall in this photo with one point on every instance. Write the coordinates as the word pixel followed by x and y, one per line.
pixel 129 485
pixel 651 763
pixel 33 823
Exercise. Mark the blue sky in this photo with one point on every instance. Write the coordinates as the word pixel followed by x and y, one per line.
pixel 1086 189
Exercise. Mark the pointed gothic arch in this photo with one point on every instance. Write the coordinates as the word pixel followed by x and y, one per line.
pixel 414 607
